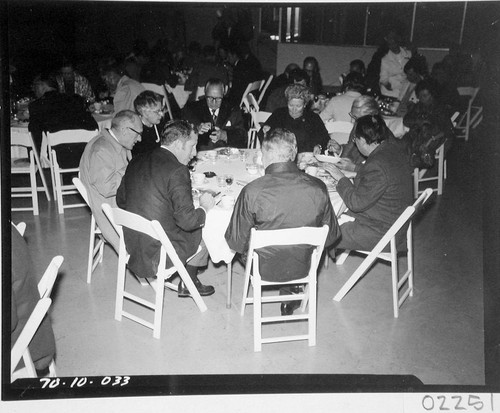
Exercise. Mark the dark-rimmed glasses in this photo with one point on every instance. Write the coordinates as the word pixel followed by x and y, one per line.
pixel 213 99
pixel 133 130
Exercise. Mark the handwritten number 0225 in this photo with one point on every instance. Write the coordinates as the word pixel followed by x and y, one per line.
pixel 473 401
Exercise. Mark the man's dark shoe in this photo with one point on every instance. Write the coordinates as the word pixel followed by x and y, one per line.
pixel 289 307
pixel 204 290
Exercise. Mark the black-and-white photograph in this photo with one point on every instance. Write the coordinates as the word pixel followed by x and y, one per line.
pixel 250 199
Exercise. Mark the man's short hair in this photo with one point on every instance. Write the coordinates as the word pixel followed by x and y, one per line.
pixel 365 105
pixel 359 63
pixel 371 128
pixel 47 78
pixel 122 117
pixel 215 82
pixel 427 84
pixel 298 91
pixel 417 64
pixel 282 143
pixel 112 68
pixel 176 130
pixel 147 99
pixel 298 75
pixel 354 81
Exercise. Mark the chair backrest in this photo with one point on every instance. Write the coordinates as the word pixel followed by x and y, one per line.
pixel 259 118
pixel 469 91
pixel 70 136
pixel 81 188
pixel 314 236
pixel 48 279
pixel 252 86
pixel 252 102
pixel 121 218
pixel 20 347
pixel 264 88
pixel 21 139
pixel 406 215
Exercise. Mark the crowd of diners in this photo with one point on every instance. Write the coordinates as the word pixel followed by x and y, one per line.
pixel 141 162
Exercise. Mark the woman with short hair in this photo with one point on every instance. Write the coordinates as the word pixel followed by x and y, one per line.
pixel 149 107
pixel 307 126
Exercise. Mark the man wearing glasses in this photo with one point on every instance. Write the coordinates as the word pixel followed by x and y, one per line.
pixel 103 165
pixel 218 123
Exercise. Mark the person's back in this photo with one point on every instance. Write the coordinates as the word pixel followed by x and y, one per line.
pixel 339 107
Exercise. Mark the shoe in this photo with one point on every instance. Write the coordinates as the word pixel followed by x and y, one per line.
pixel 204 290
pixel 289 307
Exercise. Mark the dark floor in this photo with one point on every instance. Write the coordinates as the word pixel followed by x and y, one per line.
pixel 438 336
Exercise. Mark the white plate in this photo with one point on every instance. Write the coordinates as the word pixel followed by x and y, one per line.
pixel 329 159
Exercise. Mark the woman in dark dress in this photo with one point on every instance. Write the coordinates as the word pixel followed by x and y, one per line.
pixel 309 129
pixel 148 106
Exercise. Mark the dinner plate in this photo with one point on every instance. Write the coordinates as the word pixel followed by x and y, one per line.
pixel 326 158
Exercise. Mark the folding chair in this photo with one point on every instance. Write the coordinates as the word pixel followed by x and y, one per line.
pixel 121 218
pixel 418 175
pixel 200 92
pixel 58 138
pixel 472 116
pixel 392 257
pixel 264 88
pixel 293 236
pixel 22 138
pixel 339 130
pixel 20 348
pixel 252 87
pixel 258 119
pixel 160 89
pixel 96 241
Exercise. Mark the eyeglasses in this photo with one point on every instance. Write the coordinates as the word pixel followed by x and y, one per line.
pixel 212 99
pixel 133 130
pixel 159 112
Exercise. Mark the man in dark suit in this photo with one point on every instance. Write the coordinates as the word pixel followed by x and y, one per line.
pixel 217 121
pixel 382 188
pixel 53 111
pixel 157 186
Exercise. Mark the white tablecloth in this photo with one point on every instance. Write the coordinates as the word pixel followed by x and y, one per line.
pixel 218 218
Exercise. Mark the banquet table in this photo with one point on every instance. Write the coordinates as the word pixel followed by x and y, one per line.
pixel 218 217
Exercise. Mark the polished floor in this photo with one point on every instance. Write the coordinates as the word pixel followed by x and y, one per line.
pixel 438 336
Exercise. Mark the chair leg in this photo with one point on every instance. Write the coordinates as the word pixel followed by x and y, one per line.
pixel 59 197
pixel 120 283
pixel 257 315
pixel 313 291
pixel 34 189
pixel 158 311
pixel 192 289
pixel 245 288
pixel 90 262
pixel 395 277
pixel 342 257
pixel 229 280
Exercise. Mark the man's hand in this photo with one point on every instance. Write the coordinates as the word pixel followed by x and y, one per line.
pixel 333 146
pixel 218 135
pixel 317 150
pixel 346 164
pixel 204 127
pixel 333 171
pixel 207 201
pixel 387 85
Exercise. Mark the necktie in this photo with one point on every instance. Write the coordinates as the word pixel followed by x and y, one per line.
pixel 214 117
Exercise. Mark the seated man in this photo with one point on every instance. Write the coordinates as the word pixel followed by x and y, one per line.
pixel 123 89
pixel 218 123
pixel 73 83
pixel 103 165
pixel 382 188
pixel 157 185
pixel 52 111
pixel 339 107
pixel 25 297
pixel 283 198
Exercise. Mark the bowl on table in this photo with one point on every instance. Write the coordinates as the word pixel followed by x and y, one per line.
pixel 328 158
